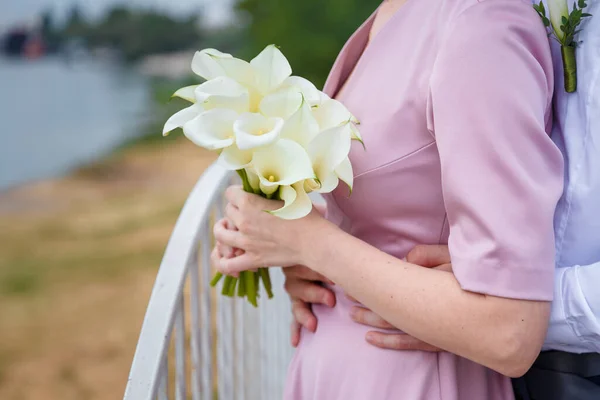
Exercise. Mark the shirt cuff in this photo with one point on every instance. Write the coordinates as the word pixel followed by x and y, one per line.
pixel 561 335
pixel 559 330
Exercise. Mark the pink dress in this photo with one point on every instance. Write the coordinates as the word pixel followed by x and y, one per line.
pixel 454 101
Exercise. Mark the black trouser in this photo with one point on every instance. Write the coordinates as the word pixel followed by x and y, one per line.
pixel 557 375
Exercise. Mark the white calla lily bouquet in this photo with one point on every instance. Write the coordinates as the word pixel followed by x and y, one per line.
pixel 284 137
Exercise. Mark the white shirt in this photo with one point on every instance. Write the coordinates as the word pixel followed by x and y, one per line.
pixel 575 317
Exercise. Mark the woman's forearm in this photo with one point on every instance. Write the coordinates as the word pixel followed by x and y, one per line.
pixel 503 334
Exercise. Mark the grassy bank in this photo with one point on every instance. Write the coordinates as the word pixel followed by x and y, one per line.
pixel 78 257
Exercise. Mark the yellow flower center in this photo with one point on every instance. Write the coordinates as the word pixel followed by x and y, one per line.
pixel 271 178
pixel 311 185
pixel 261 132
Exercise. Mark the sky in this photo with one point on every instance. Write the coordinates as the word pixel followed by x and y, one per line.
pixel 24 11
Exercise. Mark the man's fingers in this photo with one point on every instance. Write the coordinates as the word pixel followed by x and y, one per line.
pixel 396 341
pixel 429 255
pixel 303 315
pixel 295 333
pixel 444 267
pixel 309 292
pixel 351 298
pixel 367 317
pixel 305 273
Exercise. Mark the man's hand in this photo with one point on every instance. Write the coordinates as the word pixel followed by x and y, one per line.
pixel 433 256
pixel 305 288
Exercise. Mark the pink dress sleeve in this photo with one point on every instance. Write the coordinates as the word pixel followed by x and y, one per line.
pixel 489 107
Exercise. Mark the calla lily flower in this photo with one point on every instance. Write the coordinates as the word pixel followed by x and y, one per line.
pixel 271 69
pixel 182 117
pixel 301 126
pixel 206 63
pixel 223 92
pixel 255 130
pixel 330 113
pixel 282 103
pixel 261 85
pixel 253 179
pixel 281 164
pixel 220 92
pixel 311 94
pixel 213 129
pixel 186 93
pixel 558 9
pixel 210 64
pixel 328 153
pixel 345 173
pixel 297 203
pixel 232 158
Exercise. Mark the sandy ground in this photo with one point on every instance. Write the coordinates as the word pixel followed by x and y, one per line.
pixel 78 258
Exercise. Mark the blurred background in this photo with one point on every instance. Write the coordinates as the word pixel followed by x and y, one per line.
pixel 89 189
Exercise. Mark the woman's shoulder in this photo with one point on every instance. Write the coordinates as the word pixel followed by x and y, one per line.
pixel 510 16
pixel 486 9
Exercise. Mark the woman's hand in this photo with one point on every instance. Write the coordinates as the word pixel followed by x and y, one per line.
pixel 265 240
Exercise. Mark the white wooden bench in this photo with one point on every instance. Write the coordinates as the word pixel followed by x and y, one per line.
pixel 195 344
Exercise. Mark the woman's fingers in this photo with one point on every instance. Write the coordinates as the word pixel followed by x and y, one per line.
pixel 309 292
pixel 226 236
pixel 235 195
pixel 367 317
pixel 243 262
pixel 215 257
pixel 303 315
pixel 398 341
pixel 233 216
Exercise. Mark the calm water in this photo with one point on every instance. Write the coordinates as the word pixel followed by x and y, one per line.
pixel 55 116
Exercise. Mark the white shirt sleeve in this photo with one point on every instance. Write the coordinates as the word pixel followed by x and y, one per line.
pixel 575 317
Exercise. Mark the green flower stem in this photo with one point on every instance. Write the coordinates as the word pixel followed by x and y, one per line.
pixel 251 288
pixel 245 182
pixel 216 279
pixel 569 67
pixel 226 285
pixel 266 279
pixel 231 292
pixel 242 285
pixel 256 277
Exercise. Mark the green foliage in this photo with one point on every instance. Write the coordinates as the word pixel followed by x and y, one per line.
pixel 76 25
pixel 135 33
pixel 569 24
pixel 309 32
pixel 541 10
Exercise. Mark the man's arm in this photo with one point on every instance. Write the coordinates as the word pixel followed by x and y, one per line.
pixel 575 316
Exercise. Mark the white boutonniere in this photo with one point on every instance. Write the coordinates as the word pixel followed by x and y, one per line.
pixel 564 28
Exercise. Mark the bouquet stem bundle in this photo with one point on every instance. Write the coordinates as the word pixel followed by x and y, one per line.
pixel 248 282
